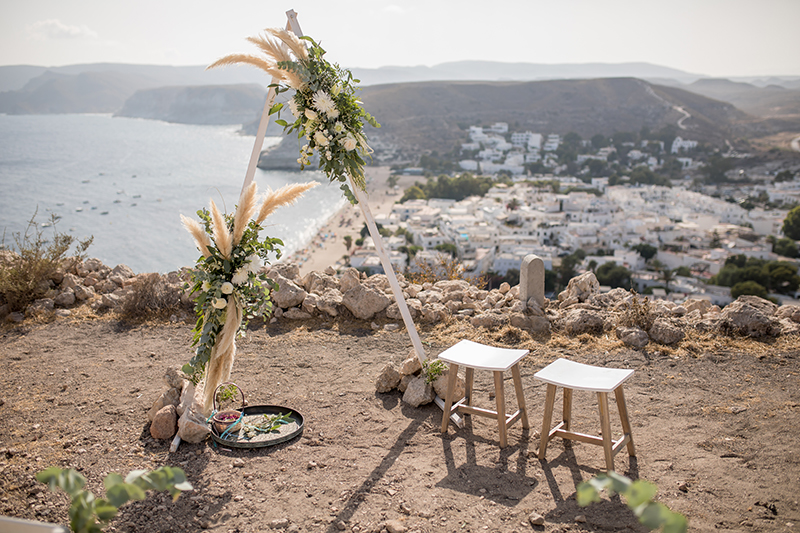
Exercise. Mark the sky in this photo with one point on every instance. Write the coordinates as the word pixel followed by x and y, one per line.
pixel 719 38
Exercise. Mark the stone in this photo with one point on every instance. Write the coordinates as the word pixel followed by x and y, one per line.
pixel 40 306
pixel 123 270
pixel 310 304
pixel 750 316
pixel 504 287
pixel 164 423
pixel 316 282
pixel 15 317
pixel 434 312
pixel 84 293
pixel 491 320
pixel 110 301
pixel 287 270
pixel 698 304
pixel 388 379
pixel 65 298
pixel 410 366
pixel 665 332
pixel 635 337
pixel 105 287
pixel 678 310
pixel 610 299
pixel 279 523
pixel 171 396
pixel 450 285
pixel 531 279
pixel 192 426
pixel 117 279
pixel 296 314
pixel 418 392
pixel 365 302
pixel 579 321
pixel 404 381
pixel 70 281
pixel 539 325
pixel 173 378
pixel 189 395
pixel 440 386
pixel 536 519
pixel 519 320
pixel 329 302
pixel 792 312
pixel 288 294
pixel 394 526
pixel 350 278
pixel 581 287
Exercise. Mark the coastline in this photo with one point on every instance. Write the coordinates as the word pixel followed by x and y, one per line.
pixel 327 247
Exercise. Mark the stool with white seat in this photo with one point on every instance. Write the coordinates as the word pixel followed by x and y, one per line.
pixel 570 376
pixel 472 356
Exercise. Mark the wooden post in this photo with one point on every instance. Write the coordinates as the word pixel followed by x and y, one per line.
pixel 293 26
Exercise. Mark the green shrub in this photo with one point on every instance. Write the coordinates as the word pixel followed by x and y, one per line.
pixel 151 296
pixel 26 272
pixel 85 510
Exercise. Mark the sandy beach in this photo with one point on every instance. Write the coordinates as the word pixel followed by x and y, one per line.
pixel 328 246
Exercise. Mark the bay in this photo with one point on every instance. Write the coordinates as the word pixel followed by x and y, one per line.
pixel 126 181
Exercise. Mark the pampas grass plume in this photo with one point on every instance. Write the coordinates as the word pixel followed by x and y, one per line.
pixel 199 234
pixel 222 237
pixel 247 206
pixel 287 194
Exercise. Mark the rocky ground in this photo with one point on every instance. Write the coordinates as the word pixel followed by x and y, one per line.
pixel 714 421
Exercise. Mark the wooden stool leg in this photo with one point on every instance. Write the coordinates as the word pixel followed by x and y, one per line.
pixel 605 425
pixel 468 381
pixel 500 397
pixel 520 396
pixel 448 401
pixel 567 411
pixel 623 416
pixel 550 399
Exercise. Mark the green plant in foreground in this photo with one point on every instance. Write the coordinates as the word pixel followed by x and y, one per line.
pixel 639 496
pixel 433 369
pixel 86 510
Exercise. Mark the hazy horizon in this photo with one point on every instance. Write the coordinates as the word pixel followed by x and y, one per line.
pixel 712 38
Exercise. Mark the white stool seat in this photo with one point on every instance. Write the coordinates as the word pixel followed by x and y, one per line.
pixel 482 357
pixel 472 356
pixel 572 375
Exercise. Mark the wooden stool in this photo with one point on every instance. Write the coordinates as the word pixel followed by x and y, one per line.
pixel 570 376
pixel 473 355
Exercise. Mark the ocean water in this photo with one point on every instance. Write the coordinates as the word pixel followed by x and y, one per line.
pixel 126 181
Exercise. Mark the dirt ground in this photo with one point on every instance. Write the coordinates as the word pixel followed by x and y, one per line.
pixel 714 422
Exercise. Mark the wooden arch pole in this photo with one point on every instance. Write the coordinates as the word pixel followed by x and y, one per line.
pixel 293 26
pixel 389 271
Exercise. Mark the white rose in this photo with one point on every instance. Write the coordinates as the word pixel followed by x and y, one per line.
pixel 338 128
pixel 220 303
pixel 311 114
pixel 227 287
pixel 349 143
pixel 321 139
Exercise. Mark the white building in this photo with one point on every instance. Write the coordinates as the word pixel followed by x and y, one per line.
pixel 680 144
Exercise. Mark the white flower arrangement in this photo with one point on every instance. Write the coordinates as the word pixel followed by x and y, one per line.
pixel 326 110
pixel 228 283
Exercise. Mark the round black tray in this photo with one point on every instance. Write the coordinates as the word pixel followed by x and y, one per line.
pixel 285 433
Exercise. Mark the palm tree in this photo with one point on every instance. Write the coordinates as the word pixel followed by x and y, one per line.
pixel 667 276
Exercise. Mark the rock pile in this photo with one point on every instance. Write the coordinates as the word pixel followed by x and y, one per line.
pixel 411 380
pixel 580 308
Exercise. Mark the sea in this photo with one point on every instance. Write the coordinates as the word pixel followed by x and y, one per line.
pixel 126 181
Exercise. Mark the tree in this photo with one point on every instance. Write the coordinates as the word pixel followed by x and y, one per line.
pixel 513 204
pixel 614 275
pixel 785 247
pixel 448 248
pixel 683 271
pixel 667 276
pixel 749 287
pixel 599 141
pixel 392 180
pixel 716 167
pixel 647 251
pixel 592 265
pixel 791 224
pixel 348 242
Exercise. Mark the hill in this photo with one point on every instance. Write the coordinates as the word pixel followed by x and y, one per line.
pixel 214 104
pixel 769 101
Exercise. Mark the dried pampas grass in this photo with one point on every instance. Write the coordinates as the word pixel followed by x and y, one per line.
pixel 287 194
pixel 222 237
pixel 220 362
pixel 199 234
pixel 247 206
pixel 276 51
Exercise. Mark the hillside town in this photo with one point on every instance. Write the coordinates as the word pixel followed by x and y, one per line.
pixel 690 229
